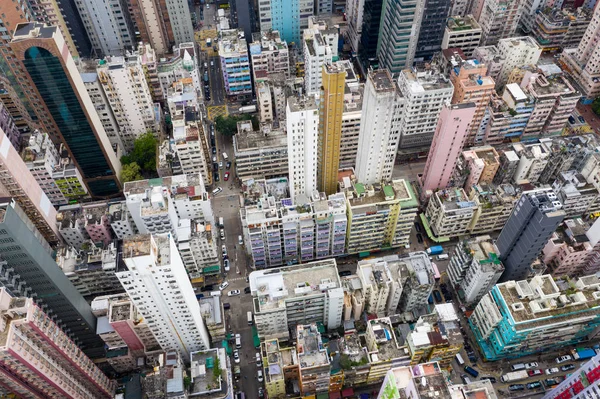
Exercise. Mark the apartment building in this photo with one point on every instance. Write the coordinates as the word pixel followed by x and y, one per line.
pixel 515 51
pixel 289 19
pixel 269 54
pixel 508 115
pixel 575 193
pixel 556 29
pixel 235 63
pixel 8 125
pixel 315 369
pixel 351 120
pixel 171 309
pixel 533 159
pixel 499 19
pixel 425 91
pixel 319 48
pixel 381 286
pixel 535 316
pixel 294 296
pixel 463 33
pixel 261 154
pixel 450 212
pixel 41 359
pixel 509 162
pixel 384 351
pixel 494 206
pixel 379 216
pixel 474 268
pixel 162 73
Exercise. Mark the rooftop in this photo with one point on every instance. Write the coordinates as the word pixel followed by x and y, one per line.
pixel 272 287
pixel 457 23
pixel 429 381
pixel 309 347
pixel 232 42
pixel 453 199
pixel 387 347
pixel 33 30
pixel 420 80
pixel 298 104
pixel 256 140
pixel 146 244
pixel 482 389
pixel 382 80
pixel 551 86
pixel 208 372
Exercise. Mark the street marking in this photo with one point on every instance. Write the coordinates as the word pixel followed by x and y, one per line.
pixel 217 110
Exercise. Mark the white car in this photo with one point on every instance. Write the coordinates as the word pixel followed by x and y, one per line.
pixel 258 360
pixel 233 293
pixel 552 370
pixel 226 264
pixel 563 359
pixel 531 365
pixel 236 356
pixel 223 285
pixel 224 249
pixel 259 374
pixel 217 190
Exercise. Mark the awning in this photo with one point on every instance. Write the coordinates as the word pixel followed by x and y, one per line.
pixel 335 395
pixel 429 232
pixel 255 337
pixel 323 395
pixel 346 393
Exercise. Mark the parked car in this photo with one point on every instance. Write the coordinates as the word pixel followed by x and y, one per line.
pixel 207 288
pixel 490 378
pixel 223 285
pixel 418 227
pixel 550 382
pixel 221 165
pixel 567 367
pixel 261 393
pixel 236 356
pixel 247 290
pixel 571 119
pixel 420 238
pixel 259 374
pixel 214 150
pixel 258 360
pixel 562 359
pixel 345 273
pixel 215 167
pixel 224 249
pixel 217 190
pixel 533 373
pixel 581 119
pixel 228 165
pixel 226 265
pixel 226 177
pixel 552 370
pixel 233 293
pixel 534 385
pixel 226 306
pixel 531 365
pixel 516 387
pixel 216 177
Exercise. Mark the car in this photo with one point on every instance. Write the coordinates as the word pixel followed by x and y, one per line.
pixel 258 360
pixel 222 234
pixel 259 375
pixel 562 359
pixel 233 293
pixel 534 385
pixel 247 290
pixel 419 238
pixel 223 285
pixel 550 382
pixel 437 296
pixel 205 65
pixel 490 378
pixel 214 159
pixel 228 165
pixel 226 306
pixel 516 387
pixel 552 370
pixel 217 190
pixel 533 373
pixel 226 265
pixel 214 150
pixel 345 273
pixel 238 341
pixel 207 96
pixel 215 167
pixel 207 5
pixel 261 393
pixel 216 176
pixel 581 119
pixel 571 119
pixel 221 165
pixel 226 177
pixel 212 63
pixel 567 367
pixel 236 356
pixel 207 288
pixel 224 249
pixel 418 227
pixel 531 365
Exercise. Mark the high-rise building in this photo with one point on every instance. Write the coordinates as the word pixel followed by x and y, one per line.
pixel 319 49
pixel 315 287
pixel 555 28
pixel 315 369
pixel 499 19
pixel 155 279
pixel 368 41
pixel 235 63
pixel 463 33
pixel 124 83
pixel 260 154
pixel 583 383
pixel 533 220
pixel 425 92
pixel 381 285
pixel 379 136
pixel 153 23
pixel 8 126
pixel 472 86
pixel 354 15
pixel 432 29
pixel 583 62
pixel 561 315
pixel 109 26
pixel 331 107
pixel 269 54
pixel 289 18
pixel 15 107
pixel 449 212
pixel 351 118
pixel 447 143
pixel 475 268
pixel 302 120
pixel 51 70
pixel 507 116
pixel 39 360
pixel 17 180
pixel 400 27
pixel 28 269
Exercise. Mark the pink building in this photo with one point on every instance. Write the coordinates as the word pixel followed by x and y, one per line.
pixel 97 223
pixel 570 251
pixel 20 184
pixel 37 360
pixel 482 163
pixel 448 142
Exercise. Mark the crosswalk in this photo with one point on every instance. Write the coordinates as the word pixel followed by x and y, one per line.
pixel 236 279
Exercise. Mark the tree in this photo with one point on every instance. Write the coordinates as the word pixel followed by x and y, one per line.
pixel 131 172
pixel 596 106
pixel 144 154
pixel 228 124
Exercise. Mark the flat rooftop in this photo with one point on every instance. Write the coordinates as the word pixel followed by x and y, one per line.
pixel 309 347
pixel 255 140
pixel 454 198
pixel 272 287
pixel 420 80
pixel 382 80
pixel 458 23
pixel 385 338
pixel 26 30
pixel 146 244
pixel 298 104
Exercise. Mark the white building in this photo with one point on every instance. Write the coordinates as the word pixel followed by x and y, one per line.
pixel 269 54
pixel 379 136
pixel 157 283
pixel 197 244
pixel 121 222
pixel 183 64
pixel 296 295
pixel 351 121
pixel 475 268
pixel 354 16
pixel 108 25
pixel 316 54
pixel 463 33
pixel 499 19
pixel 127 90
pixel 509 54
pixel 533 158
pixel 261 154
pixel 191 144
pixel 381 285
pixel 425 92
pixel 302 121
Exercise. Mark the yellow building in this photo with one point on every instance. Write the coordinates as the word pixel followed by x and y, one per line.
pixel 330 126
pixel 274 381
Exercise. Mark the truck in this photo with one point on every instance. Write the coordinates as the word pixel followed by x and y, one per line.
pixel 225 157
pixel 583 353
pixel 514 376
pixel 435 250
pixel 248 109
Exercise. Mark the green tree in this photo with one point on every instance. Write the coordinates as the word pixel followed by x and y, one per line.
pixel 596 106
pixel 144 154
pixel 131 172
pixel 228 124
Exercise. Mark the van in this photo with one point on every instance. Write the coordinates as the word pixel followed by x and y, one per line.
pixel 238 341
pixel 221 224
pixel 459 359
pixel 518 366
pixel 471 371
pixel 217 190
pixel 225 157
pixel 240 240
pixel 442 257
pixel 250 319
